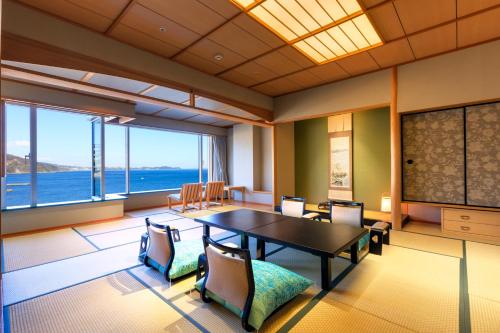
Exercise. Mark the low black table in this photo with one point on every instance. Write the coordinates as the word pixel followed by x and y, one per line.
pixel 326 240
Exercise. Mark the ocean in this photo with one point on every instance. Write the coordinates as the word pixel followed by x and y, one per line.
pixel 76 185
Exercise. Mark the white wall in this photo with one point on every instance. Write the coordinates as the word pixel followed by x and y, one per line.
pixel 266 160
pixel 462 77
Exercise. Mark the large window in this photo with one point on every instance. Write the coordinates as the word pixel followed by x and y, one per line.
pixel 18 141
pixel 162 160
pixel 116 159
pixel 63 156
pixel 55 156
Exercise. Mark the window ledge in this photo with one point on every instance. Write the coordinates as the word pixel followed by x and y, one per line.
pixel 109 197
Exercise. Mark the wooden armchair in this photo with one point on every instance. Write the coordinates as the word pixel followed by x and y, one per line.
pixel 214 191
pixel 189 194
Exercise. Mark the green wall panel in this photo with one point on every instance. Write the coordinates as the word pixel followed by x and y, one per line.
pixel 311 159
pixel 371 154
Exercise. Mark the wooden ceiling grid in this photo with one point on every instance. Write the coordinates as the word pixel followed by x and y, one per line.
pixel 253 56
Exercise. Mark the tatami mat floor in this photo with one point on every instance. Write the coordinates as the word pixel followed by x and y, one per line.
pixel 421 283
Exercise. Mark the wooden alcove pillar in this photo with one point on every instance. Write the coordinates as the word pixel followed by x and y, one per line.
pixel 395 153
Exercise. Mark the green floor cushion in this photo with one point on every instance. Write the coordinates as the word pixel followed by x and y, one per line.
pixel 185 260
pixel 363 241
pixel 274 286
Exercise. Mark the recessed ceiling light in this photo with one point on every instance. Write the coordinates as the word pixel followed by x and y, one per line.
pixel 323 30
pixel 163 29
pixel 218 56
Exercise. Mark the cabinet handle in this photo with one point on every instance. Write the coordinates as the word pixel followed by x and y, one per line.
pixel 465 217
pixel 464 228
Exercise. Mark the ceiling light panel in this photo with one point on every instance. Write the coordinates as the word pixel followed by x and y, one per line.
pixel 323 30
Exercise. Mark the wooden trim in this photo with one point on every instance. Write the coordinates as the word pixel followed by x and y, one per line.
pixel 87 77
pixel 30 76
pixel 274 161
pixel 395 153
pixel 31 51
pixel 148 89
pixel 431 204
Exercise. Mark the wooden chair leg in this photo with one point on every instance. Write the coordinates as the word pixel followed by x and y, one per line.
pixel 222 199
pixel 201 201
pixel 169 203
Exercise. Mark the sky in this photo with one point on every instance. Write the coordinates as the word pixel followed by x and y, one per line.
pixel 66 138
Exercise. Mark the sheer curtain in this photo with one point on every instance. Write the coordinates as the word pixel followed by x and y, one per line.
pixel 219 160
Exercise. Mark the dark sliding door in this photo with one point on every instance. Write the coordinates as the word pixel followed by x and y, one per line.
pixel 433 157
pixel 483 155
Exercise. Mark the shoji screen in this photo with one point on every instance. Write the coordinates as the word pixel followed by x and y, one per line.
pixel 483 154
pixel 433 157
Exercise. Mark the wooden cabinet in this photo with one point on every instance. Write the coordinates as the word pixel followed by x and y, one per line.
pixel 471 224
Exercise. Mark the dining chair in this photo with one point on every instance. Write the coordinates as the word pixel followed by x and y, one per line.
pixel 190 194
pixel 251 289
pixel 350 212
pixel 171 259
pixel 214 191
pixel 295 207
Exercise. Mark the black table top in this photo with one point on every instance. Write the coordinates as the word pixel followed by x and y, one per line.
pixel 311 236
pixel 240 220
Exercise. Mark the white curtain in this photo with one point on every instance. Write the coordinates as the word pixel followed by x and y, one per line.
pixel 219 160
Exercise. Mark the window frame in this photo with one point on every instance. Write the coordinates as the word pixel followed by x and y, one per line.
pixel 105 196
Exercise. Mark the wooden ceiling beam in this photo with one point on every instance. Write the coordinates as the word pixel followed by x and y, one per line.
pixel 148 89
pixel 17 48
pixel 13 73
pixel 120 17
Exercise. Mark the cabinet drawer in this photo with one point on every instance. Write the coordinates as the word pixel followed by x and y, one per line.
pixel 472 228
pixel 471 216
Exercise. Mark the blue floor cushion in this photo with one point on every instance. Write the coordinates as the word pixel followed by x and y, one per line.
pixel 363 241
pixel 185 259
pixel 274 286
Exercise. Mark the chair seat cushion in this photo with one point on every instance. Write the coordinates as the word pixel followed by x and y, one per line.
pixel 185 259
pixel 274 286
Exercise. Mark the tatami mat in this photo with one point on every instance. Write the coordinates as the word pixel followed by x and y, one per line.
pixel 408 288
pixel 39 280
pixel 226 208
pixel 115 238
pixel 439 245
pixel 147 212
pixel 483 270
pixel 115 303
pixel 39 248
pixel 484 315
pixel 192 214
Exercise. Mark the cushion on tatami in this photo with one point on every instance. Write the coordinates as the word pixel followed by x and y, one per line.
pixel 115 303
pixel 38 248
pixel 35 281
pixel 439 245
pixel 483 270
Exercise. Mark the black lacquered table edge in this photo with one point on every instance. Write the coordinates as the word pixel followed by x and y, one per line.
pixel 326 257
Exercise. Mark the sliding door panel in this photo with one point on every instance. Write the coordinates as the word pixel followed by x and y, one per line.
pixel 433 157
pixel 483 155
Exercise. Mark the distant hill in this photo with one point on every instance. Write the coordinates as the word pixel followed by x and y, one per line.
pixel 16 164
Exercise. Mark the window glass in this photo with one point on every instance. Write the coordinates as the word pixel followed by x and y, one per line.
pixel 18 178
pixel 162 160
pixel 64 152
pixel 115 158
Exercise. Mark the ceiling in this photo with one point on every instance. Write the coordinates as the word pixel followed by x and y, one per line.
pixel 193 32
pixel 197 114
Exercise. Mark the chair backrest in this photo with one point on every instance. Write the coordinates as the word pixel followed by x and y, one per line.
pixel 292 206
pixel 214 190
pixel 229 277
pixel 191 192
pixel 347 212
pixel 161 245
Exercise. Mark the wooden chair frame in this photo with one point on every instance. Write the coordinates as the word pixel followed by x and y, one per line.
pixel 214 190
pixel 168 234
pixel 245 255
pixel 183 197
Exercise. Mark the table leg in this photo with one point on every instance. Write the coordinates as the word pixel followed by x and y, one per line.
pixel 206 230
pixel 244 241
pixel 354 253
pixel 261 250
pixel 326 272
